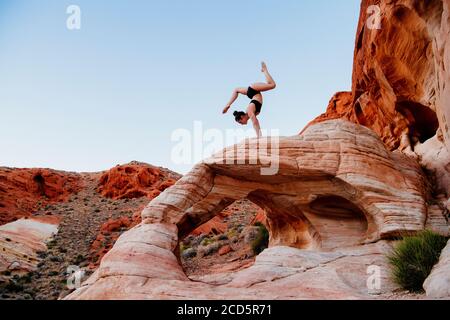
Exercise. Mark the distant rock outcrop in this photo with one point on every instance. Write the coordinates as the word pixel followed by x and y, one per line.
pixel 23 191
pixel 87 225
pixel 218 225
pixel 130 181
pixel 109 233
pixel 337 187
pixel 135 180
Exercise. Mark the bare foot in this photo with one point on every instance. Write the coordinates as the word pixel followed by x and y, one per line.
pixel 263 67
pixel 226 109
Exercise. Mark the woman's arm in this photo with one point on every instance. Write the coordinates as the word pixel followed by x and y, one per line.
pixel 234 97
pixel 255 122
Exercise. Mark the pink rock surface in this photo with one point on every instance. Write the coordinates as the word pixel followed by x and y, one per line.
pixel 338 187
pixel 21 240
pixel 437 285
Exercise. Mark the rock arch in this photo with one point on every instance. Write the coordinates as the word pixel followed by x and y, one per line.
pixel 337 185
pixel 332 159
pixel 294 218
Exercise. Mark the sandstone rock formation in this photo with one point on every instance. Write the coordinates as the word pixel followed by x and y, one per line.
pixel 278 273
pixel 437 285
pixel 21 241
pixel 260 217
pixel 89 225
pixel 218 224
pixel 130 181
pixel 109 233
pixel 337 187
pixel 401 81
pixel 376 165
pixel 135 180
pixel 333 169
pixel 22 191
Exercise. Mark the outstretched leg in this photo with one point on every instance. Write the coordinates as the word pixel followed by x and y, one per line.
pixel 270 85
pixel 269 78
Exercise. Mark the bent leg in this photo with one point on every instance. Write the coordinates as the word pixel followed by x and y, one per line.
pixel 270 85
pixel 262 87
pixel 242 90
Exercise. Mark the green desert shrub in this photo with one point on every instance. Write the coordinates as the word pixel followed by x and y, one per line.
pixel 14 286
pixel 232 233
pixel 184 247
pixel 261 241
pixel 414 257
pixel 222 237
pixel 207 241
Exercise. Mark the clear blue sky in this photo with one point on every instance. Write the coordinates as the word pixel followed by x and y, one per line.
pixel 115 90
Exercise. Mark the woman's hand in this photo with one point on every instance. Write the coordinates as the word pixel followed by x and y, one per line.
pixel 226 109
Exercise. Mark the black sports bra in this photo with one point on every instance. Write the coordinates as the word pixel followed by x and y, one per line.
pixel 252 92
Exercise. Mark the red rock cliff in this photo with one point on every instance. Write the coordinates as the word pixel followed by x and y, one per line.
pixel 401 83
pixel 135 180
pixel 22 191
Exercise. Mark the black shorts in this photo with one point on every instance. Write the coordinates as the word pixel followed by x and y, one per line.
pixel 258 106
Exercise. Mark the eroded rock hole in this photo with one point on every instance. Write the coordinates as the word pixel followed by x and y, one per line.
pixel 423 122
pixel 401 13
pixel 228 242
pixel 40 184
pixel 339 222
pixel 359 114
pixel 234 237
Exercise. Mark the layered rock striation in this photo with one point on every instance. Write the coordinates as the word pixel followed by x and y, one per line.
pixel 337 187
pixel 20 244
pixel 401 82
